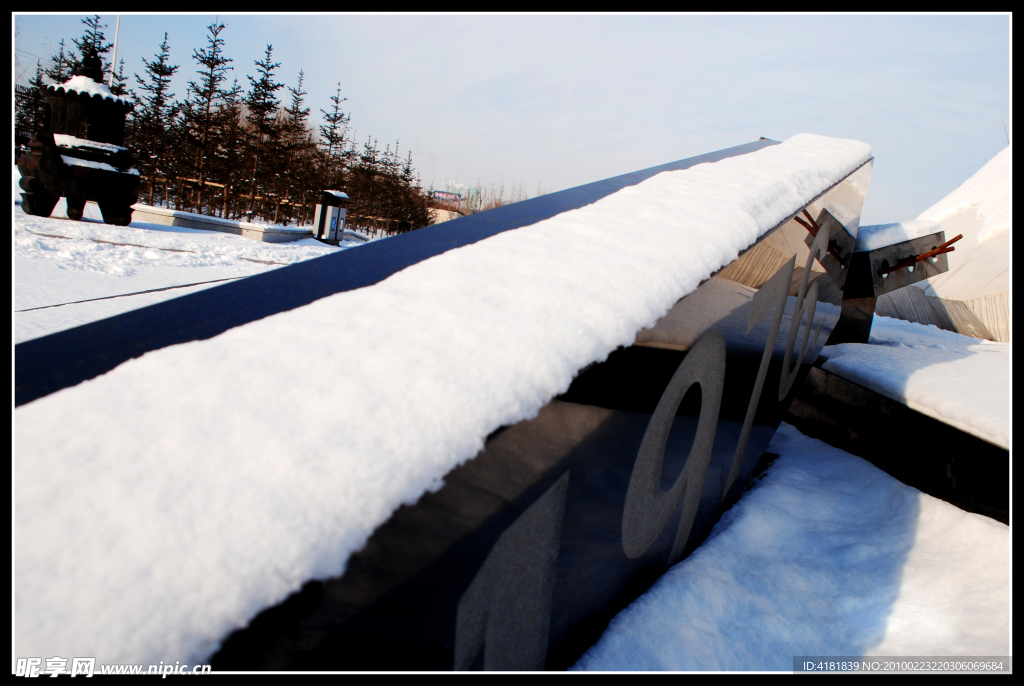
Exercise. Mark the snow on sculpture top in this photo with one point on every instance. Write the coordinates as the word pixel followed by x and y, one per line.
pixel 881 235
pixel 149 458
pixel 84 84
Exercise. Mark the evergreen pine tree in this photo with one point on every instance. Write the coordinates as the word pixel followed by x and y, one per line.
pixel 264 129
pixel 92 41
pixel 118 86
pixel 63 64
pixel 155 111
pixel 296 115
pixel 336 127
pixel 248 142
pixel 227 163
pixel 414 208
pixel 299 172
pixel 365 186
pixel 408 171
pixel 391 192
pixel 200 110
pixel 334 134
pixel 29 117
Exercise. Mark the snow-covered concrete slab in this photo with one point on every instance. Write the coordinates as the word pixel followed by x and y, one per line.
pixel 63 140
pixel 962 381
pixel 89 164
pixel 827 555
pixel 149 459
pixel 258 231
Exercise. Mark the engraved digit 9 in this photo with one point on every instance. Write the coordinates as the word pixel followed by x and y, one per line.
pixel 648 509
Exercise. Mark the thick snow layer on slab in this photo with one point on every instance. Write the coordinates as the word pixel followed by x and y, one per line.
pixel 962 381
pixel 881 235
pixel 204 482
pixel 78 162
pixel 57 261
pixel 83 84
pixel 988 190
pixel 826 555
pixel 65 141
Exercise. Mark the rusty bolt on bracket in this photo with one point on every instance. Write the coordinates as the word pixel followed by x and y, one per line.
pixel 813 229
pixel 909 262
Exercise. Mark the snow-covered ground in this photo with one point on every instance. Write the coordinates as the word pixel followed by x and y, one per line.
pixel 830 556
pixel 826 556
pixel 60 263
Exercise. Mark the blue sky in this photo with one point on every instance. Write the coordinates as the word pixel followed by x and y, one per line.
pixel 557 101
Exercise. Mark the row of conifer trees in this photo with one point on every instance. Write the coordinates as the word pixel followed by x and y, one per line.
pixel 241 153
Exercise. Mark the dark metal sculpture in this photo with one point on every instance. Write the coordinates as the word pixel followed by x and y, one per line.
pixel 874 273
pixel 527 551
pixel 80 155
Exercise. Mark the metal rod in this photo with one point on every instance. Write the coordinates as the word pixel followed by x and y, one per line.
pixel 813 231
pixel 813 228
pixel 113 58
pixel 813 223
pixel 914 259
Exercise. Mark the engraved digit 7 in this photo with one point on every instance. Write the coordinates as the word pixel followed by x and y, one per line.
pixel 773 293
pixel 806 303
pixel 648 509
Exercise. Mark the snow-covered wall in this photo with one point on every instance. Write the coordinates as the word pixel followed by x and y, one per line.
pixel 979 267
pixel 165 503
pixel 988 191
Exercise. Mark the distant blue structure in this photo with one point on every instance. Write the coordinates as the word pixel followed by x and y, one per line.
pixel 447 196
